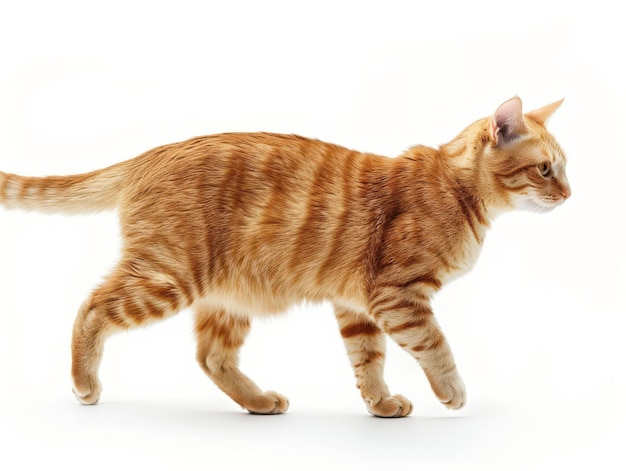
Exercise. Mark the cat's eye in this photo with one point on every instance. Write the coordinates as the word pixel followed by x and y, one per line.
pixel 544 168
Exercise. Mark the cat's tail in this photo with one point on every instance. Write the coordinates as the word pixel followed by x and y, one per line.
pixel 84 193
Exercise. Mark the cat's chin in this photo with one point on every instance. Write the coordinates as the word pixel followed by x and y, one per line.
pixel 537 206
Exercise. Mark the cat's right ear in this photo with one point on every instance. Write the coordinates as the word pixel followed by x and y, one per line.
pixel 507 123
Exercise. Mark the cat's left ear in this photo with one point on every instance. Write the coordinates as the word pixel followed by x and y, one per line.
pixel 541 115
pixel 507 123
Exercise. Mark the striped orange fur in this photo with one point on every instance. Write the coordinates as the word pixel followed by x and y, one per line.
pixel 241 225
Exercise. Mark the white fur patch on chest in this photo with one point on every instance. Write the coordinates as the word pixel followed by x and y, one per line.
pixel 464 261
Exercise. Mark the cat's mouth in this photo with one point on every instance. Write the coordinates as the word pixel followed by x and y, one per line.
pixel 543 204
pixel 538 204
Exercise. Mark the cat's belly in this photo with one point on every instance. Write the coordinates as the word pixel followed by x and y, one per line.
pixel 245 304
pixel 264 304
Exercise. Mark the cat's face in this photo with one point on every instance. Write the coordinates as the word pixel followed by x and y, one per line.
pixel 539 181
pixel 528 166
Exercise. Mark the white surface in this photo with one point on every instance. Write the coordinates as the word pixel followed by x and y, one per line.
pixel 536 328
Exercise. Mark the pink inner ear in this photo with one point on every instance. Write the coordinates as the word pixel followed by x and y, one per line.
pixel 508 120
pixel 509 113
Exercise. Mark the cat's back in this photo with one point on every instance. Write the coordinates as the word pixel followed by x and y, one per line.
pixel 236 157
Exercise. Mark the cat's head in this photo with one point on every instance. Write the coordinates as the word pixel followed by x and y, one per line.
pixel 521 162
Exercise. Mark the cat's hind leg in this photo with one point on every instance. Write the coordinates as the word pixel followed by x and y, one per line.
pixel 365 344
pixel 220 336
pixel 127 298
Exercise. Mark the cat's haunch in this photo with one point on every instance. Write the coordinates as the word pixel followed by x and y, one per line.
pixel 242 225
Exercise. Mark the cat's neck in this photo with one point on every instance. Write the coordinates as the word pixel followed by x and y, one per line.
pixel 452 184
pixel 466 156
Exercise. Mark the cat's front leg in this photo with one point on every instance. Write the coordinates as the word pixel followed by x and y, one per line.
pixel 406 316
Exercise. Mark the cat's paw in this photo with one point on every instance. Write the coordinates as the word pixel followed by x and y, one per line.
pixel 88 393
pixel 268 403
pixel 390 407
pixel 450 391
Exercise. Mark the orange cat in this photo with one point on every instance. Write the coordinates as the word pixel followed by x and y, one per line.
pixel 242 225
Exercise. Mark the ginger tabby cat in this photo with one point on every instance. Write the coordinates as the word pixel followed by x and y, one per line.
pixel 243 225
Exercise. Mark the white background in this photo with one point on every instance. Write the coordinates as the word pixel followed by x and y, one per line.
pixel 536 328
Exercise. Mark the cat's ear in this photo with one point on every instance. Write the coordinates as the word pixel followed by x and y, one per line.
pixel 541 115
pixel 507 123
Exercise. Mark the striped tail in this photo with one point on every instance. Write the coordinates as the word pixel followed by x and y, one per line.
pixel 84 193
